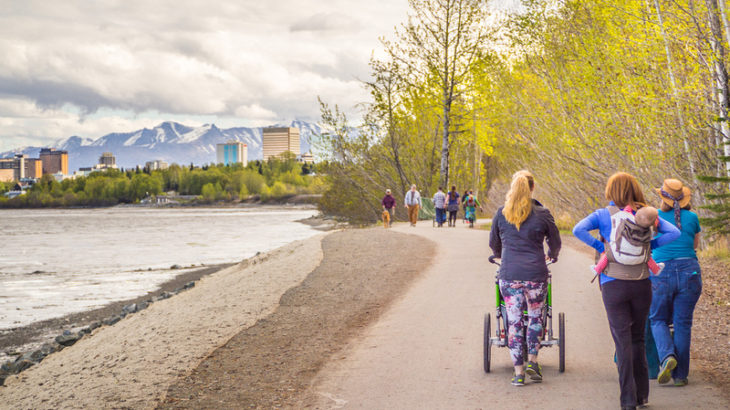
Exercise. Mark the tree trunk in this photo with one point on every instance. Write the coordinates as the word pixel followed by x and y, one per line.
pixel 720 74
pixel 444 180
pixel 445 82
pixel 675 95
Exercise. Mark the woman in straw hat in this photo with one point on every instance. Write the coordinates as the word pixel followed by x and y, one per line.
pixel 675 290
pixel 625 288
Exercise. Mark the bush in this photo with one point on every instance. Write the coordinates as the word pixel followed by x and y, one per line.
pixel 243 193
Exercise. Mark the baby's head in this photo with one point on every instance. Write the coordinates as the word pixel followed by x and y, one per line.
pixel 646 216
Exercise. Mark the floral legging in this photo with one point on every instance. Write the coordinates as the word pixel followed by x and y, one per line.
pixel 517 294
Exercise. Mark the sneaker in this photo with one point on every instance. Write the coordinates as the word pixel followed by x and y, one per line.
pixel 642 403
pixel 534 371
pixel 665 371
pixel 681 382
pixel 518 380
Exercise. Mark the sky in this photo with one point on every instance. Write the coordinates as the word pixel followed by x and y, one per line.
pixel 89 68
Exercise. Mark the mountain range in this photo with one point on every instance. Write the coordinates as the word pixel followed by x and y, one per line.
pixel 170 141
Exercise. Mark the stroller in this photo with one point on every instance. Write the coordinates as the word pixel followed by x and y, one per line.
pixel 547 338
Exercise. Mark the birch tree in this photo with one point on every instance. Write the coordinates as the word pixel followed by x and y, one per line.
pixel 441 40
pixel 720 75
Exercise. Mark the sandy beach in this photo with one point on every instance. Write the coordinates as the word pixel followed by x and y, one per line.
pixel 131 364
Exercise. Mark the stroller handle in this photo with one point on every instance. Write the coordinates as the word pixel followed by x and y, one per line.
pixel 492 259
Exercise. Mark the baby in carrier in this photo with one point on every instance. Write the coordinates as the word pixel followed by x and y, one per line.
pixel 646 217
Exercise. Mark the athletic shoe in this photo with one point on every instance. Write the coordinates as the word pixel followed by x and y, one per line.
pixel 643 403
pixel 681 382
pixel 518 380
pixel 534 371
pixel 665 372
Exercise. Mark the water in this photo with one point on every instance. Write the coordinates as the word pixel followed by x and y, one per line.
pixel 56 262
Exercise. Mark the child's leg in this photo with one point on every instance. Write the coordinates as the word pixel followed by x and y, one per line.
pixel 601 264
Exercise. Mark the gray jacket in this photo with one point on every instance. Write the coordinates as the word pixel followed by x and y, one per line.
pixel 522 252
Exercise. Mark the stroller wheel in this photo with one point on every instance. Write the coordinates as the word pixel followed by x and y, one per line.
pixel 487 342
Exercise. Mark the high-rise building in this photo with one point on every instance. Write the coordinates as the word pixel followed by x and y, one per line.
pixel 54 161
pixel 19 167
pixel 156 164
pixel 33 168
pixel 7 170
pixel 280 140
pixel 232 152
pixel 107 160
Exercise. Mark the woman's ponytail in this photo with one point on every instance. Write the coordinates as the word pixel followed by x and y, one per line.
pixel 518 202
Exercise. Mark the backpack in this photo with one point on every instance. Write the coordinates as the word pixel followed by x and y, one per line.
pixel 629 244
pixel 470 201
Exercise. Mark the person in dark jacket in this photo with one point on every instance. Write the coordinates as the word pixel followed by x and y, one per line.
pixel 388 204
pixel 519 229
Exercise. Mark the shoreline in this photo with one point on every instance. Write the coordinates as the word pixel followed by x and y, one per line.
pixel 15 341
pixel 299 201
pixel 131 363
pixel 18 340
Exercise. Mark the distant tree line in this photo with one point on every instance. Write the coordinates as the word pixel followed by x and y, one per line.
pixel 266 180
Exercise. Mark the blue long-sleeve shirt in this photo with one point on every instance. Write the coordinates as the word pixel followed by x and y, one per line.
pixel 601 219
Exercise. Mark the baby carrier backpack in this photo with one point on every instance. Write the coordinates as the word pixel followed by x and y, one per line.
pixel 629 244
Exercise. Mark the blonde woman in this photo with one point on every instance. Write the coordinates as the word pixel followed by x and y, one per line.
pixel 519 229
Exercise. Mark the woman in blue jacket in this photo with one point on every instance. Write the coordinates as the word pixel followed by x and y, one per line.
pixel 627 299
pixel 519 229
pixel 677 288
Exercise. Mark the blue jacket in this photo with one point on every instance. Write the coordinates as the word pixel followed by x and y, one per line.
pixel 522 252
pixel 601 219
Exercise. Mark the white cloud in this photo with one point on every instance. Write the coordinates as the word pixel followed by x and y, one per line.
pixel 88 68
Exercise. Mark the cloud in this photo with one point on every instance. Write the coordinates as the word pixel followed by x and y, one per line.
pixel 326 22
pixel 79 67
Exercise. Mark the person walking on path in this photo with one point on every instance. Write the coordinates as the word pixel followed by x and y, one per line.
pixel 518 231
pixel 413 202
pixel 470 204
pixel 452 205
pixel 625 288
pixel 676 290
pixel 463 202
pixel 388 204
pixel 439 202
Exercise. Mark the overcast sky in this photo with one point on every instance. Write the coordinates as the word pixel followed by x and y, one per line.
pixel 88 68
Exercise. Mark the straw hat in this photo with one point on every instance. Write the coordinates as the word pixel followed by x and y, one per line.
pixel 675 188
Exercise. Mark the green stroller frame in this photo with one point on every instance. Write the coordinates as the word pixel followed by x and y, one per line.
pixel 500 338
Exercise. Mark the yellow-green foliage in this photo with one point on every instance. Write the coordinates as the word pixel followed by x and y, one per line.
pixel 573 91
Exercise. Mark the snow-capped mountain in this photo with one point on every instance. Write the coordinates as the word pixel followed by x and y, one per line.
pixel 169 141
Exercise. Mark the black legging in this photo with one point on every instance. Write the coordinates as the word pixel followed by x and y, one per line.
pixel 452 217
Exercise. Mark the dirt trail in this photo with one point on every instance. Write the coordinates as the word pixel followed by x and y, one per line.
pixel 426 351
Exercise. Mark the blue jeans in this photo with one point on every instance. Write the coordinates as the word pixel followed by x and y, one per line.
pixel 440 215
pixel 675 294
